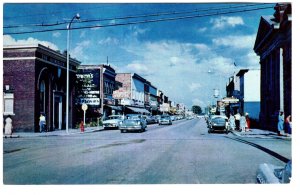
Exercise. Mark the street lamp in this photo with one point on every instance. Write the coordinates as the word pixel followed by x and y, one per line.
pixel 77 16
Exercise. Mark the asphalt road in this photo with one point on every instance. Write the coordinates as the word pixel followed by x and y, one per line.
pixel 183 153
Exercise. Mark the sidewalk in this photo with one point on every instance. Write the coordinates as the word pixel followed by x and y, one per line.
pixel 259 133
pixel 54 133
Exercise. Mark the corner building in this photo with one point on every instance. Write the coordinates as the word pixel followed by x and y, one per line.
pixel 37 76
pixel 273 45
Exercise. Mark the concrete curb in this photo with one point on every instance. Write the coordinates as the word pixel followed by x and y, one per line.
pixel 53 133
pixel 263 136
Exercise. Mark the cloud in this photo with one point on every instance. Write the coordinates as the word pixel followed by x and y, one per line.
pixel 138 31
pixel 138 68
pixel 201 30
pixel 9 40
pixel 225 21
pixel 82 34
pixel 180 70
pixel 252 60
pixel 195 86
pixel 238 42
pixel 198 102
pixel 79 51
pixel 56 34
pixel 109 41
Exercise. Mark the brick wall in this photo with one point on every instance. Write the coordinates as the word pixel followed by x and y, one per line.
pixel 20 75
pixel 125 90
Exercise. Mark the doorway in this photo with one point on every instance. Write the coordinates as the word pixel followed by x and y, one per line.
pixel 57 112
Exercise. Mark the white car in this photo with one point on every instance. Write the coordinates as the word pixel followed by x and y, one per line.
pixel 113 121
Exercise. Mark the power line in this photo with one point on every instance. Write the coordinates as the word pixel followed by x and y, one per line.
pixel 133 16
pixel 143 21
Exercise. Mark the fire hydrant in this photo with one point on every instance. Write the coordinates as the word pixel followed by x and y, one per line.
pixel 81 126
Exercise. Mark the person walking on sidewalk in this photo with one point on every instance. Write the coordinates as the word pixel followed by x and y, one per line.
pixel 42 123
pixel 231 122
pixel 243 123
pixel 280 123
pixel 288 125
pixel 237 117
pixel 247 122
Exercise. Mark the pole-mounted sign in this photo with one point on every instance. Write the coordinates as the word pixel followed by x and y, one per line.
pixel 84 107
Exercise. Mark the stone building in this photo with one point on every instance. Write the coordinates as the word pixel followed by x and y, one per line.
pixel 37 76
pixel 273 45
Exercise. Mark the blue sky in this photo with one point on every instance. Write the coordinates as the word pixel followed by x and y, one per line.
pixel 185 58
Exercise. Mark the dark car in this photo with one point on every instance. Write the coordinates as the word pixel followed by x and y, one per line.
pixel 149 119
pixel 133 123
pixel 165 120
pixel 218 123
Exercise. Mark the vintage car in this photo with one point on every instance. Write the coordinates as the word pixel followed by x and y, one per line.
pixel 218 123
pixel 272 174
pixel 113 121
pixel 133 122
pixel 149 119
pixel 165 120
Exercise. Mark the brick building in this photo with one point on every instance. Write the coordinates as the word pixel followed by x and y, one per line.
pixel 273 45
pixel 134 93
pixel 37 75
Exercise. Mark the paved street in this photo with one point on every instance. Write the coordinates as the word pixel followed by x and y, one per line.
pixel 183 153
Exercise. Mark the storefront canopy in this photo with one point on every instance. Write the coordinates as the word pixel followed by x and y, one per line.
pixel 119 108
pixel 138 110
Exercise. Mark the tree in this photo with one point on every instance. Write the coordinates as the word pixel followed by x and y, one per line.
pixel 196 109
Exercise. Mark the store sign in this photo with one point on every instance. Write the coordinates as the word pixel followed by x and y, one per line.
pixel 88 87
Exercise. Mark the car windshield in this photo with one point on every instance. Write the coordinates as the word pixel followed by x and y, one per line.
pixel 114 117
pixel 165 117
pixel 133 117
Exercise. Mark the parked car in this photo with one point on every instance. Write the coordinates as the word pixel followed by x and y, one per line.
pixel 165 120
pixel 218 123
pixel 272 174
pixel 133 122
pixel 149 119
pixel 173 118
pixel 113 121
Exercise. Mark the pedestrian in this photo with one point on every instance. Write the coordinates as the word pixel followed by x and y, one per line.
pixel 280 128
pixel 231 122
pixel 82 126
pixel 42 122
pixel 288 125
pixel 237 117
pixel 247 122
pixel 243 123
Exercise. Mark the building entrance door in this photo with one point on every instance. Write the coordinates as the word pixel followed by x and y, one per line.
pixel 57 112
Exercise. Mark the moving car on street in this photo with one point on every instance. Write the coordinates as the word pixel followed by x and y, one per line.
pixel 218 123
pixel 165 120
pixel 133 122
pixel 113 121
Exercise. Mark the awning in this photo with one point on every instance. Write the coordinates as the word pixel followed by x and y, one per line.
pixel 138 110
pixel 115 107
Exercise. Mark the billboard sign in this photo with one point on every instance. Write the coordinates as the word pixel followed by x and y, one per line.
pixel 88 87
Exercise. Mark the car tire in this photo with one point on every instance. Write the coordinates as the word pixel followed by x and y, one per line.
pixel 122 131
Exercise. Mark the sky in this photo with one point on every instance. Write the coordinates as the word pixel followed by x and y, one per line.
pixel 185 58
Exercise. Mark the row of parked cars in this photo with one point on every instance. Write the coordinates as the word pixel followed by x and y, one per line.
pixel 137 122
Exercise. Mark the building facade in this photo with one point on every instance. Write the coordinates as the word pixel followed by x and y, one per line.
pixel 249 97
pixel 134 94
pixel 37 75
pixel 94 86
pixel 273 45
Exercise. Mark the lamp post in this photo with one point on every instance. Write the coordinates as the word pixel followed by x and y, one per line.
pixel 77 16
